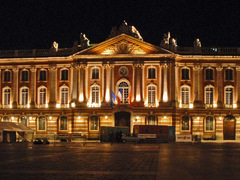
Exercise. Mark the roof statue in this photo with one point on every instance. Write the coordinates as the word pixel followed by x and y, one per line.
pixel 165 41
pixel 54 47
pixel 126 29
pixel 84 41
pixel 197 43
pixel 173 42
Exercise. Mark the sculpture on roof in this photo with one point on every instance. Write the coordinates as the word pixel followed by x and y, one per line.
pixel 173 42
pixel 197 43
pixel 165 41
pixel 126 29
pixel 84 41
pixel 54 47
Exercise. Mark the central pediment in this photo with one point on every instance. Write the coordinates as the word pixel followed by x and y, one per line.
pixel 123 47
pixel 123 44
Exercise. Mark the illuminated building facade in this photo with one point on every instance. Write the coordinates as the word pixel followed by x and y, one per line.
pixel 70 90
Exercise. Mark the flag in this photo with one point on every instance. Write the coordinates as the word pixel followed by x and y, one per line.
pixel 119 96
pixel 129 99
pixel 113 99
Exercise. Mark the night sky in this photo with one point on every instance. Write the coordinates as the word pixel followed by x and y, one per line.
pixel 36 24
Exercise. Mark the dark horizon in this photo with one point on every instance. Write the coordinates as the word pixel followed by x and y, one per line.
pixel 36 24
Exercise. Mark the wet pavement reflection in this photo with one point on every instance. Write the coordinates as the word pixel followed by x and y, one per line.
pixel 120 161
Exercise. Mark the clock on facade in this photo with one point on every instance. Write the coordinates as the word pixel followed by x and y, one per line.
pixel 123 70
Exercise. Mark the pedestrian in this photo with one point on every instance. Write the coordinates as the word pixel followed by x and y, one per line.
pixel 111 137
pixel 117 135
pixel 120 136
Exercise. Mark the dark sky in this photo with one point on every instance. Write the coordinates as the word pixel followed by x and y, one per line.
pixel 37 23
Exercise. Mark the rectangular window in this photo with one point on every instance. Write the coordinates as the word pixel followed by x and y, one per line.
pixel 209 74
pixel 24 75
pixel 95 73
pixel 229 96
pixel 42 96
pixel 151 95
pixel 6 76
pixel 42 123
pixel 24 97
pixel 64 96
pixel 209 123
pixel 185 95
pixel 43 76
pixel 185 123
pixel 151 73
pixel 229 74
pixel 94 123
pixel 185 74
pixel 6 97
pixel 64 75
pixel 209 95
pixel 95 94
pixel 63 123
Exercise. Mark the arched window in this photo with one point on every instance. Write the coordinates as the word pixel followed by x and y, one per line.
pixel 228 96
pixel 94 123
pixel 151 90
pixel 63 123
pixel 209 124
pixel 41 123
pixel 24 75
pixel 23 120
pixel 209 74
pixel 151 120
pixel 42 75
pixel 123 87
pixel 5 119
pixel 185 74
pixel 209 96
pixel 64 74
pixel 64 95
pixel 95 73
pixel 7 76
pixel 228 74
pixel 24 96
pixel 185 96
pixel 6 96
pixel 185 123
pixel 95 95
pixel 42 96
pixel 151 73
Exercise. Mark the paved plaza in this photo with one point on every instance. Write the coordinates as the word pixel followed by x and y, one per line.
pixel 120 161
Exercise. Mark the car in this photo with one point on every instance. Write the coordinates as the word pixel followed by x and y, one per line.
pixel 129 138
pixel 41 141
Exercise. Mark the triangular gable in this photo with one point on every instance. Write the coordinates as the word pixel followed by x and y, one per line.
pixel 123 44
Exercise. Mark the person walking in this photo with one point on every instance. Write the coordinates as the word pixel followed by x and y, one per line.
pixel 111 137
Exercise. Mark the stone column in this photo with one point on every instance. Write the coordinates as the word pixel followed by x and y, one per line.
pixel 176 85
pixel 138 92
pixel 82 95
pixel 219 86
pixel 160 84
pixel 197 85
pixel 74 83
pixel 86 83
pixel 172 90
pixel 52 86
pixel 15 87
pixel 165 84
pixel 238 86
pixel 1 87
pixel 33 87
pixel 108 83
pixel 103 103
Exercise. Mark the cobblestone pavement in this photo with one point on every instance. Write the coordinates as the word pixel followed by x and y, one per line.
pixel 120 161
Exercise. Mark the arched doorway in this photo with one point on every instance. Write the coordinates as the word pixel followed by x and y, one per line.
pixel 122 119
pixel 229 127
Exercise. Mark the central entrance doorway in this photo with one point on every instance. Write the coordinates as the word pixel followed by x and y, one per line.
pixel 122 119
pixel 229 127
